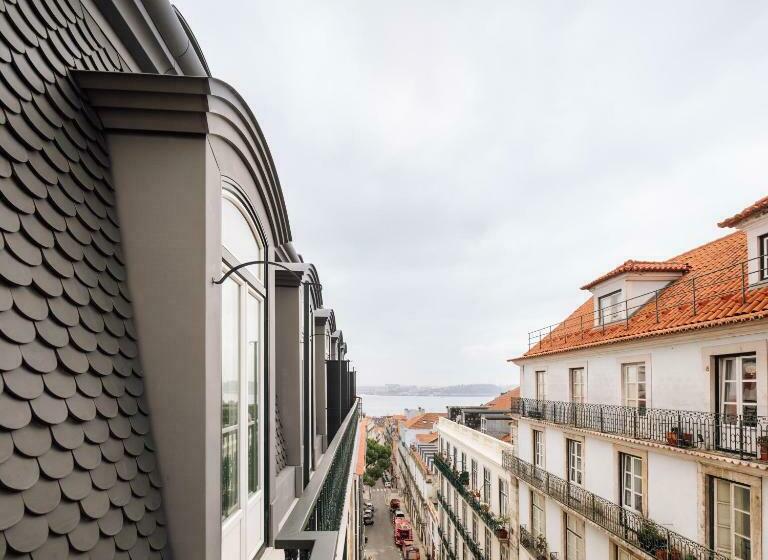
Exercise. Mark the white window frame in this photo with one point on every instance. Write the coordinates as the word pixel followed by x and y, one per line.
pixel 574 537
pixel 538 515
pixel 610 312
pixel 632 384
pixel 575 460
pixel 577 384
pixel 538 449
pixel 728 502
pixel 632 482
pixel 740 403
pixel 541 384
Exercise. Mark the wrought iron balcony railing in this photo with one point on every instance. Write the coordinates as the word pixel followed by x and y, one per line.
pixel 536 545
pixel 696 295
pixel 454 478
pixel 743 435
pixel 638 531
pixel 469 540
pixel 446 544
pixel 313 527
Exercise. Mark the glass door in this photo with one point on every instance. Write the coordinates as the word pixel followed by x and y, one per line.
pixel 737 403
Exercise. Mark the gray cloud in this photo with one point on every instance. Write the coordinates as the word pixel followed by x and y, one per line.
pixel 458 169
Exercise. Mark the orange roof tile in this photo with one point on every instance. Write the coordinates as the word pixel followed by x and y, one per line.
pixel 424 421
pixel 506 438
pixel 640 266
pixel 504 400
pixel 361 448
pixel 717 269
pixel 759 207
pixel 427 438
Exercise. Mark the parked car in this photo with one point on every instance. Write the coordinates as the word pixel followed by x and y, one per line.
pixel 394 504
pixel 410 552
pixel 368 518
pixel 387 484
pixel 369 505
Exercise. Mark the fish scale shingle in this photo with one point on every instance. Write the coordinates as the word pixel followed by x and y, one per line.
pixel 78 475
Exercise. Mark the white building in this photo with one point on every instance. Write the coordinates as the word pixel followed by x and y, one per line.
pixel 642 424
pixel 475 495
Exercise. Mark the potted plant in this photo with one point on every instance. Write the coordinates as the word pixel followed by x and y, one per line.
pixel 651 539
pixel 464 478
pixel 540 546
pixel 502 533
pixel 762 441
pixel 678 439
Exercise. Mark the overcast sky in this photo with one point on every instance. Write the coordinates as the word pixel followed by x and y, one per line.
pixel 456 170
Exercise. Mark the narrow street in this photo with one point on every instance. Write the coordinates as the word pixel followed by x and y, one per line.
pixel 380 544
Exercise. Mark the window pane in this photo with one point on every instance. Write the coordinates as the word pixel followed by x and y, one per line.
pixel 237 235
pixel 230 394
pixel 253 320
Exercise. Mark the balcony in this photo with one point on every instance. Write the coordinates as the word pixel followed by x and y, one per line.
pixel 450 553
pixel 745 437
pixel 469 540
pixel 315 529
pixel 454 478
pixel 536 546
pixel 654 540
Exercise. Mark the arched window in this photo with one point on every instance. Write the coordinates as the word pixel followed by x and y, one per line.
pixel 239 235
pixel 242 383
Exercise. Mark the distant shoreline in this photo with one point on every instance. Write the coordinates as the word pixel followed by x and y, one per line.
pixel 426 395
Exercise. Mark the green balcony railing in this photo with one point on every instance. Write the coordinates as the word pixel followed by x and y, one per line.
pixel 313 526
pixel 471 543
pixel 454 477
pixel 446 545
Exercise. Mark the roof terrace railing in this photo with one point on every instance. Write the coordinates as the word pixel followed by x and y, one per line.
pixel 745 436
pixel 314 525
pixel 694 293
pixel 655 540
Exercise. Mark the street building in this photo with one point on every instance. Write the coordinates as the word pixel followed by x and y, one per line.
pixel 209 412
pixel 641 427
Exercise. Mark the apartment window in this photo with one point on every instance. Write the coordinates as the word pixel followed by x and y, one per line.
pixel 474 527
pixel 455 452
pixel 463 461
pixel 541 385
pixel 631 482
pixel 577 385
pixel 574 538
pixel 473 475
pixel 456 501
pixel 732 519
pixel 504 552
pixel 464 513
pixel 538 521
pixel 230 396
pixel 487 549
pixel 486 486
pixel 503 497
pixel 609 307
pixel 738 388
pixel 575 461
pixel 253 320
pixel 622 554
pixel 635 385
pixel 763 247
pixel 538 448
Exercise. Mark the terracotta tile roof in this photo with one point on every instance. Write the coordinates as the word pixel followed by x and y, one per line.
pixel 503 401
pixel 759 207
pixel 507 438
pixel 717 268
pixel 424 421
pixel 427 438
pixel 361 448
pixel 640 266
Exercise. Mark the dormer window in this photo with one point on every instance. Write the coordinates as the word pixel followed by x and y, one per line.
pixel 762 242
pixel 609 308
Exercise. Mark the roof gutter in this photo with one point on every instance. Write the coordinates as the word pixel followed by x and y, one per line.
pixel 177 37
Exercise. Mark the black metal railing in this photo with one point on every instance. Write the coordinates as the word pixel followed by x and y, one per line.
pixel 313 526
pixel 446 544
pixel 633 528
pixel 469 540
pixel 743 435
pixel 536 545
pixel 442 464
pixel 696 296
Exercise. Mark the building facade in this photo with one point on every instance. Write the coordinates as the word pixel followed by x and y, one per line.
pixel 476 497
pixel 641 422
pixel 209 411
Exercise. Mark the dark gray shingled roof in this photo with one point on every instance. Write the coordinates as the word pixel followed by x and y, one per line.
pixel 78 475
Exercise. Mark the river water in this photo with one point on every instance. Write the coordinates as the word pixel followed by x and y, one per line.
pixel 384 405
